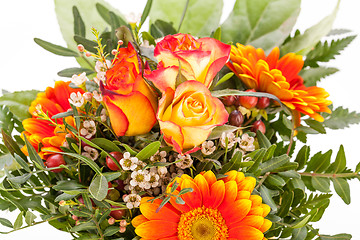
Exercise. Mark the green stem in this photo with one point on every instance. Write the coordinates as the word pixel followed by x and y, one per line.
pixel 25 189
pixel 183 15
pixel 99 229
pixel 262 180
pixel 330 175
pixel 292 135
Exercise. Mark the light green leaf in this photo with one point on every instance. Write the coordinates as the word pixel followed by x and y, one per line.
pixel 148 151
pixel 89 14
pixel 19 102
pixel 146 12
pixel 299 233
pixel 217 131
pixel 303 43
pixel 22 163
pixel 225 78
pixel 20 179
pixel 342 236
pixel 29 218
pixel 321 184
pixel 342 189
pixel 18 221
pixel 261 23
pixel 312 75
pixel 201 17
pixel 99 187
pixel 341 118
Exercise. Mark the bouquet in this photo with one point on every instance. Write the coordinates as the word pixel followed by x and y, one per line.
pixel 189 129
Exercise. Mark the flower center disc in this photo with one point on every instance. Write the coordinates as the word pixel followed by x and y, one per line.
pixel 202 224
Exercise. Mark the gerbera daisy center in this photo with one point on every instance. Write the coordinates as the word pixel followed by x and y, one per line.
pixel 202 224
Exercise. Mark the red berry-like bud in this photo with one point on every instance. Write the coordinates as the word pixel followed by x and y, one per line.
pixel 119 184
pixel 236 118
pixel 88 54
pixel 110 163
pixel 55 160
pixel 247 101
pixel 228 100
pixel 74 217
pixel 263 103
pixel 80 48
pixel 118 214
pixel 258 125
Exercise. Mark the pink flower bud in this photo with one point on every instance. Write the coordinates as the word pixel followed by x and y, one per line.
pixel 114 52
pixel 120 42
pixel 122 229
pixel 75 217
pixel 87 96
pixel 88 54
pixel 123 223
pixel 80 48
pixel 111 221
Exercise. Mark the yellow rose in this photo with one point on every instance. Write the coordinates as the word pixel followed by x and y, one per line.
pixel 188 114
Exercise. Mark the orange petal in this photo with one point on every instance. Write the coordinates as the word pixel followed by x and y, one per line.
pixel 217 193
pixel 245 233
pixel 210 177
pixel 148 209
pixel 236 211
pixel 156 229
pixel 266 225
pixel 139 220
pixel 194 198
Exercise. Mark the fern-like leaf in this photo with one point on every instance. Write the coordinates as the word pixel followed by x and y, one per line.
pixel 341 118
pixel 324 52
pixel 312 75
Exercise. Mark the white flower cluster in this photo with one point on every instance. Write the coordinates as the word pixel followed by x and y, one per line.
pixel 101 69
pixel 246 143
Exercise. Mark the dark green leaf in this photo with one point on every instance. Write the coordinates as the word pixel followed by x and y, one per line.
pixel 86 160
pixel 274 163
pixel 106 144
pixel 267 195
pixel 340 162
pixel 109 231
pixel 89 45
pixel 110 176
pixel 56 49
pixel 83 227
pixel 290 174
pixel 321 184
pixel 299 233
pixel 302 156
pixel 233 164
pixel 99 187
pixel 161 29
pixel 6 223
pixel 342 189
pixel 33 155
pixel 315 125
pixel 22 163
pixel 286 202
pixel 79 26
pixel 145 13
pixel 275 181
pixel 148 151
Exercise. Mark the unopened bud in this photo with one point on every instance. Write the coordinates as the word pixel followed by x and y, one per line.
pixel 120 42
pixel 123 223
pixel 111 221
pixel 75 217
pixel 87 96
pixel 114 52
pixel 80 48
pixel 62 203
pixel 122 229
pixel 88 54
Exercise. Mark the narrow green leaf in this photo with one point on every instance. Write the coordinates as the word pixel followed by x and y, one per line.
pixel 110 176
pixel 217 34
pixel 68 185
pixel 225 78
pixel 286 201
pixel 228 92
pixel 342 189
pixel 86 160
pixel 22 163
pixel 275 181
pixel 109 231
pixel 274 163
pixel 318 126
pixel 83 227
pixel 252 22
pixel 89 45
pixel 145 13
pixel 299 233
pixel 106 144
pixel 56 49
pixel 18 221
pixel 267 195
pixel 302 156
pixel 79 26
pixel 99 187
pixel 342 236
pixel 303 43
pixel 233 164
pixel 6 223
pixel 69 72
pixel 321 184
pixel 129 149
pixel 20 179
pixel 163 202
pixel 219 130
pixel 262 139
pixel 148 151
pixel 340 162
pixel 33 155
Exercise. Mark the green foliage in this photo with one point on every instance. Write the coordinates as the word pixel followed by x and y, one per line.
pixel 201 17
pixel 341 118
pixel 18 103
pixel 324 52
pixel 312 75
pixel 253 22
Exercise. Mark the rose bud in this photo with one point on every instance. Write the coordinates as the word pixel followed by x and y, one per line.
pixel 263 103
pixel 258 125
pixel 55 160
pixel 236 118
pixel 228 100
pixel 110 163
pixel 247 101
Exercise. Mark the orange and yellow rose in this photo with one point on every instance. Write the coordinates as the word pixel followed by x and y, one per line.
pixel 200 59
pixel 130 101
pixel 188 114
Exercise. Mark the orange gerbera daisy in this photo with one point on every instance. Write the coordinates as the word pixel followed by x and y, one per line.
pixel 279 77
pixel 215 209
pixel 45 135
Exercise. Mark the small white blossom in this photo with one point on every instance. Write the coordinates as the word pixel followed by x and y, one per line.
pixel 90 152
pixel 128 162
pixel 132 200
pixel 162 170
pixel 246 143
pixel 231 139
pixel 158 157
pixel 98 97
pixel 78 80
pixel 154 179
pixel 103 116
pixel 208 147
pixel 146 44
pixel 140 178
pixel 185 161
pixel 102 67
pixel 100 76
pixel 89 129
pixel 76 99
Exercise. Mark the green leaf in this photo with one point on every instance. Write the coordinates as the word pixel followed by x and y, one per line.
pixel 18 221
pixel 324 52
pixel 219 130
pixel 69 72
pixel 267 195
pixel 19 102
pixel 6 223
pixel 22 163
pixel 312 75
pixel 319 162
pixel 129 149
pixel 83 227
pixel 56 49
pixel 303 43
pixel 89 45
pixel 110 176
pixel 201 17
pixel 299 233
pixel 68 185
pixel 318 126
pixel 163 202
pixel 342 189
pixel 274 163
pixel 161 28
pixel 341 118
pixel 227 92
pixel 109 231
pixel 253 22
pixel 79 26
pixel 340 162
pixel 20 179
pixel 106 144
pixel 86 160
pixel 90 17
pixel 33 155
pixel 342 236
pixel 275 181
pixel 302 156
pixel 225 78
pixel 262 139
pixel 29 218
pixel 11 145
pixel 65 197
pixel 233 164
pixel 286 201
pixel 321 184
pixel 146 12
pixel 148 151
pixel 99 187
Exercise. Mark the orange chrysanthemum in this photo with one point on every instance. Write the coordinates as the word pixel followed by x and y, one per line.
pixel 215 209
pixel 278 77
pixel 44 135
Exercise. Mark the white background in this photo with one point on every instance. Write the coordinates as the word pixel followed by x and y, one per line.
pixel 24 66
